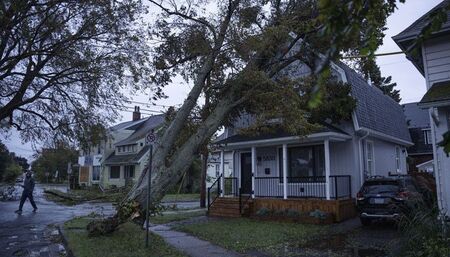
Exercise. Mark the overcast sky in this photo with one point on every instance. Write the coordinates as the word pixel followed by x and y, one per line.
pixel 409 81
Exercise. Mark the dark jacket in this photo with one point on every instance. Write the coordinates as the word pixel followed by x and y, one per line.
pixel 28 184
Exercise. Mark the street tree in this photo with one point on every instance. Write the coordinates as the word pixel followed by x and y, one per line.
pixel 66 65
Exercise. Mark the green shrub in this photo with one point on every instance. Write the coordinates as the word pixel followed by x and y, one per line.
pixel 318 214
pixel 292 213
pixel 263 212
pixel 425 232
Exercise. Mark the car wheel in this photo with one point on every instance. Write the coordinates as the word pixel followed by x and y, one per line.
pixel 365 221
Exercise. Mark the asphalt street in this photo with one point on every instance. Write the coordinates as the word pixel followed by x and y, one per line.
pixel 29 234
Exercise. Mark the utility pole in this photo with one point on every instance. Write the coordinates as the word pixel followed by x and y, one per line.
pixel 149 140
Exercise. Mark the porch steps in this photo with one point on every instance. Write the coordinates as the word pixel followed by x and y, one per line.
pixel 228 207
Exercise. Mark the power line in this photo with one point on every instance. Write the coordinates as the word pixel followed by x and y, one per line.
pixel 376 55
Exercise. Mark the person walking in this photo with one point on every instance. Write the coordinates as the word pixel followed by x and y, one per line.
pixel 28 187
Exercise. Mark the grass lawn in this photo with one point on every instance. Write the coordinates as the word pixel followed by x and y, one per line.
pixel 246 234
pixel 166 218
pixel 180 197
pixel 127 241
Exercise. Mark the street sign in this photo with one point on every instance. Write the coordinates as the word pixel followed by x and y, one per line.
pixel 150 138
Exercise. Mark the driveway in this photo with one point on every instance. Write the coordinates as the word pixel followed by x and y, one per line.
pixel 28 234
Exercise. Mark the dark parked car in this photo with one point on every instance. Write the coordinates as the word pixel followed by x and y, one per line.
pixel 382 198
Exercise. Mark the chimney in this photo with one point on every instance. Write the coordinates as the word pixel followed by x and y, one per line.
pixel 136 113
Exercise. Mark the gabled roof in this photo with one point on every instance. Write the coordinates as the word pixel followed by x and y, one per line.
pixel 130 125
pixel 374 110
pixel 143 129
pixel 114 159
pixel 416 117
pixel 406 38
pixel 437 95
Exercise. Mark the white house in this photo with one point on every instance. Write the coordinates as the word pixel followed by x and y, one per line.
pixel 432 59
pixel 324 170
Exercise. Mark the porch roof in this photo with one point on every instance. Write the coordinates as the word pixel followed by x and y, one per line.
pixel 437 95
pixel 280 137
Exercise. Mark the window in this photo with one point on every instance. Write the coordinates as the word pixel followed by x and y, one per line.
pixel 370 168
pixel 114 172
pixel 119 149
pixel 95 173
pixel 303 162
pixel 129 171
pixel 397 158
pixel 427 136
pixel 217 170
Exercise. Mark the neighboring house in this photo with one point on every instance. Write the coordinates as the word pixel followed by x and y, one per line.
pixel 419 127
pixel 90 160
pixel 323 170
pixel 121 157
pixel 125 164
pixel 432 59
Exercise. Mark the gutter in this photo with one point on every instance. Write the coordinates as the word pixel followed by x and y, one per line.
pixel 361 157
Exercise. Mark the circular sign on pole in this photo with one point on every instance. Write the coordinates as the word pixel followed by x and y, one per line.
pixel 150 138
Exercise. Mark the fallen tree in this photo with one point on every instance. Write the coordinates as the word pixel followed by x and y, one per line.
pixel 242 57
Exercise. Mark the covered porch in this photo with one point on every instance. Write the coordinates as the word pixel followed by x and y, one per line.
pixel 286 171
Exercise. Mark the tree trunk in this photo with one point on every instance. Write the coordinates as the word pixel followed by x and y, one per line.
pixel 203 181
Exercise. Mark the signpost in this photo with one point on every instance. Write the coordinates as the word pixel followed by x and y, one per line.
pixel 149 140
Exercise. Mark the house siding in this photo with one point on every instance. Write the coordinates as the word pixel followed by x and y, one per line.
pixel 437 59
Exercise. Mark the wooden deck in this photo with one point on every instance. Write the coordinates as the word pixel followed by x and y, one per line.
pixel 341 210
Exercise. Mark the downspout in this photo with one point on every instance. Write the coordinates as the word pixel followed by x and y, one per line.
pixel 361 157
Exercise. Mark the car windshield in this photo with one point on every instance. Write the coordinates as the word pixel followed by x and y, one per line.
pixel 380 188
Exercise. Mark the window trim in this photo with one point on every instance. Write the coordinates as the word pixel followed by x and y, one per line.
pixel 428 138
pixel 372 159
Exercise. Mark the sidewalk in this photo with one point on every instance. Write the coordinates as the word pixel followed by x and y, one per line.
pixel 189 244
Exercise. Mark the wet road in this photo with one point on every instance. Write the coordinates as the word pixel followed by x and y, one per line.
pixel 28 234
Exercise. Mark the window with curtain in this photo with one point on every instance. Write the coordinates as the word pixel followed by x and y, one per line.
pixel 304 163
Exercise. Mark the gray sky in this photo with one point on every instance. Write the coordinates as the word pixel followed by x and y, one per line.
pixel 409 81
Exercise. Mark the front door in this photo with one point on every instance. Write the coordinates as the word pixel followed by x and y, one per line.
pixel 246 173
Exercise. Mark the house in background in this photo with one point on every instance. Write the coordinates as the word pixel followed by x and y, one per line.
pixel 119 158
pixel 125 164
pixel 323 170
pixel 90 159
pixel 421 153
pixel 432 59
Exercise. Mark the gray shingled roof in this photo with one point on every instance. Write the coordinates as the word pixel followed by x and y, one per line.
pixel 114 159
pixel 152 122
pixel 438 93
pixel 375 110
pixel 415 29
pixel 416 117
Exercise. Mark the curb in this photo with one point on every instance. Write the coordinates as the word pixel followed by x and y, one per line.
pixel 64 241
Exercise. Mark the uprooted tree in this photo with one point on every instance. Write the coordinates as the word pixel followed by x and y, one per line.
pixel 241 56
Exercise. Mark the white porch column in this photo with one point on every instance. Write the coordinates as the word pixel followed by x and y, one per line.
pixel 222 178
pixel 253 170
pixel 327 168
pixel 285 171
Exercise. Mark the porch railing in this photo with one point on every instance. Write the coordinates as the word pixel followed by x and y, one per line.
pixel 304 187
pixel 231 187
pixel 214 191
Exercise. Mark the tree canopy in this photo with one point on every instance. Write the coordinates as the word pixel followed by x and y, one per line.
pixel 67 65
